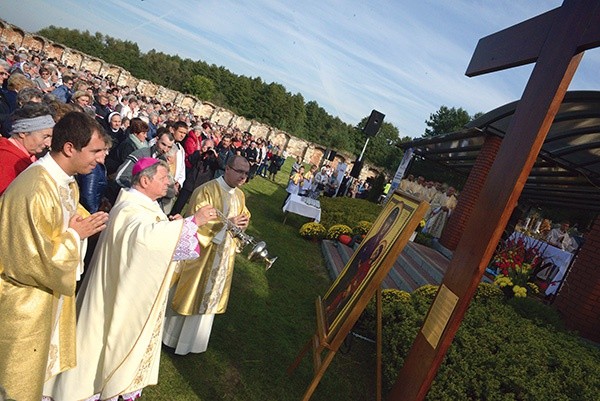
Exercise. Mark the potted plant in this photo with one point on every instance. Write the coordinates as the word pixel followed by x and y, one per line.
pixel 313 231
pixel 338 229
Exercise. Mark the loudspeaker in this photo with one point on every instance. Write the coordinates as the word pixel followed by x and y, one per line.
pixel 355 172
pixel 373 123
pixel 331 155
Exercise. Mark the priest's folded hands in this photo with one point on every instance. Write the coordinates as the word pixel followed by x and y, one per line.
pixel 88 226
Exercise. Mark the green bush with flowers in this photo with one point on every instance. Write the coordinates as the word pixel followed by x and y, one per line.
pixel 362 227
pixel 516 264
pixel 313 231
pixel 500 353
pixel 338 229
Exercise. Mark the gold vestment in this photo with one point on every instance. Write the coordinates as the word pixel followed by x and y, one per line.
pixel 38 264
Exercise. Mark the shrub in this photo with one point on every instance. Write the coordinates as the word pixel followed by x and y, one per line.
pixel 362 227
pixel 338 229
pixel 424 239
pixel 348 211
pixel 500 353
pixel 313 230
pixel 487 292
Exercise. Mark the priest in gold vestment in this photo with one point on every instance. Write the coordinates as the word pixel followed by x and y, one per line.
pixel 121 304
pixel 40 253
pixel 202 288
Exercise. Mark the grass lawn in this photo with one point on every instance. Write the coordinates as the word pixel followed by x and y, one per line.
pixel 270 317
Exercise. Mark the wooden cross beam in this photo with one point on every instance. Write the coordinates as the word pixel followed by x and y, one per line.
pixel 555 41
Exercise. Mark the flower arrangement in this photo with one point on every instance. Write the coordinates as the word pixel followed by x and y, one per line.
pixel 516 265
pixel 362 227
pixel 338 229
pixel 313 230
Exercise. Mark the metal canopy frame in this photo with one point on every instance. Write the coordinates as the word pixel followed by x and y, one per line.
pixel 567 170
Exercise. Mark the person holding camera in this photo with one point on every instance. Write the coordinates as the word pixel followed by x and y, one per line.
pixel 203 164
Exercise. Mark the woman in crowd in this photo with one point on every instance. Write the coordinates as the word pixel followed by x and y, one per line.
pixel 276 162
pixel 44 81
pixel 31 135
pixel 113 128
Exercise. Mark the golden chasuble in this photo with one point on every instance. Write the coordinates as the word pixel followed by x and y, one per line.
pixel 204 283
pixel 38 262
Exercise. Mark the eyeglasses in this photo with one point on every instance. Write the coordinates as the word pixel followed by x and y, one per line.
pixel 242 172
pixel 4 73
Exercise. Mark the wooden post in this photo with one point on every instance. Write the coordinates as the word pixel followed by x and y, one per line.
pixel 555 40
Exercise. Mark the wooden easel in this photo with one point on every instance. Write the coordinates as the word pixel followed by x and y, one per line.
pixel 330 342
pixel 318 344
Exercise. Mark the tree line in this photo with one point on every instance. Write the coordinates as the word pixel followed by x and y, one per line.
pixel 252 98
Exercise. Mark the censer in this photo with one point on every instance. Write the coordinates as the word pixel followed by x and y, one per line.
pixel 259 249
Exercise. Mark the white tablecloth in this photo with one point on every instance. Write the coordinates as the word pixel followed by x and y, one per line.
pixel 296 204
pixel 561 259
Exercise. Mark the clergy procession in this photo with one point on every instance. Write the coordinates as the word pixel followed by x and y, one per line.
pixel 98 268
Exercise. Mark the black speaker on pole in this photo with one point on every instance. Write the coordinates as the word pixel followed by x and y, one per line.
pixel 355 172
pixel 331 155
pixel 373 123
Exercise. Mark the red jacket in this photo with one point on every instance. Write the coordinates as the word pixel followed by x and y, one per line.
pixel 191 143
pixel 12 162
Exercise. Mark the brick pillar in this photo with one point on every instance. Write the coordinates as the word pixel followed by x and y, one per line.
pixel 468 196
pixel 579 298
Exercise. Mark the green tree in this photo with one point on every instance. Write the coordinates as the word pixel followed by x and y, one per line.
pixel 446 120
pixel 252 98
pixel 126 54
pixel 201 87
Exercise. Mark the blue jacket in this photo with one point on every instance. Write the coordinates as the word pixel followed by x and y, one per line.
pixel 92 187
pixel 63 93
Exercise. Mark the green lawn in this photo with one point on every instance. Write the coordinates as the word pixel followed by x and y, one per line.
pixel 270 317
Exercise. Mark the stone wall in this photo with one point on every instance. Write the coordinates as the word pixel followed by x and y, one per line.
pixel 310 152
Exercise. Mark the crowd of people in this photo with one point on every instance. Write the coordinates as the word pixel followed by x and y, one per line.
pixel 327 181
pixel 94 179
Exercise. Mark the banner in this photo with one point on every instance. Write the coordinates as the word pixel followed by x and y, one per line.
pixel 408 155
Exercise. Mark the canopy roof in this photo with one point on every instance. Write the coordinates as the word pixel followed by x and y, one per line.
pixel 567 170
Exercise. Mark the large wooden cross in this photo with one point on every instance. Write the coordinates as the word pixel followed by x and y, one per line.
pixel 555 41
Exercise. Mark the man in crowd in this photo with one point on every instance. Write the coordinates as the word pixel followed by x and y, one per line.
pixel 164 143
pixel 251 154
pixel 560 238
pixel 119 325
pixel 202 289
pixel 64 92
pixel 224 151
pixel 5 104
pixel 179 130
pixel 40 255
pixel 203 164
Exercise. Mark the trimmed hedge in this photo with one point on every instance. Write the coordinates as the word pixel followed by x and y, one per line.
pixel 503 351
pixel 347 211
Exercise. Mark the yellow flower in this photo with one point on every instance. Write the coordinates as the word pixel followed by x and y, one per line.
pixel 534 288
pixel 503 281
pixel 520 292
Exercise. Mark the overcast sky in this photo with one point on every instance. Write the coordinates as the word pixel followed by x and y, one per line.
pixel 403 58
